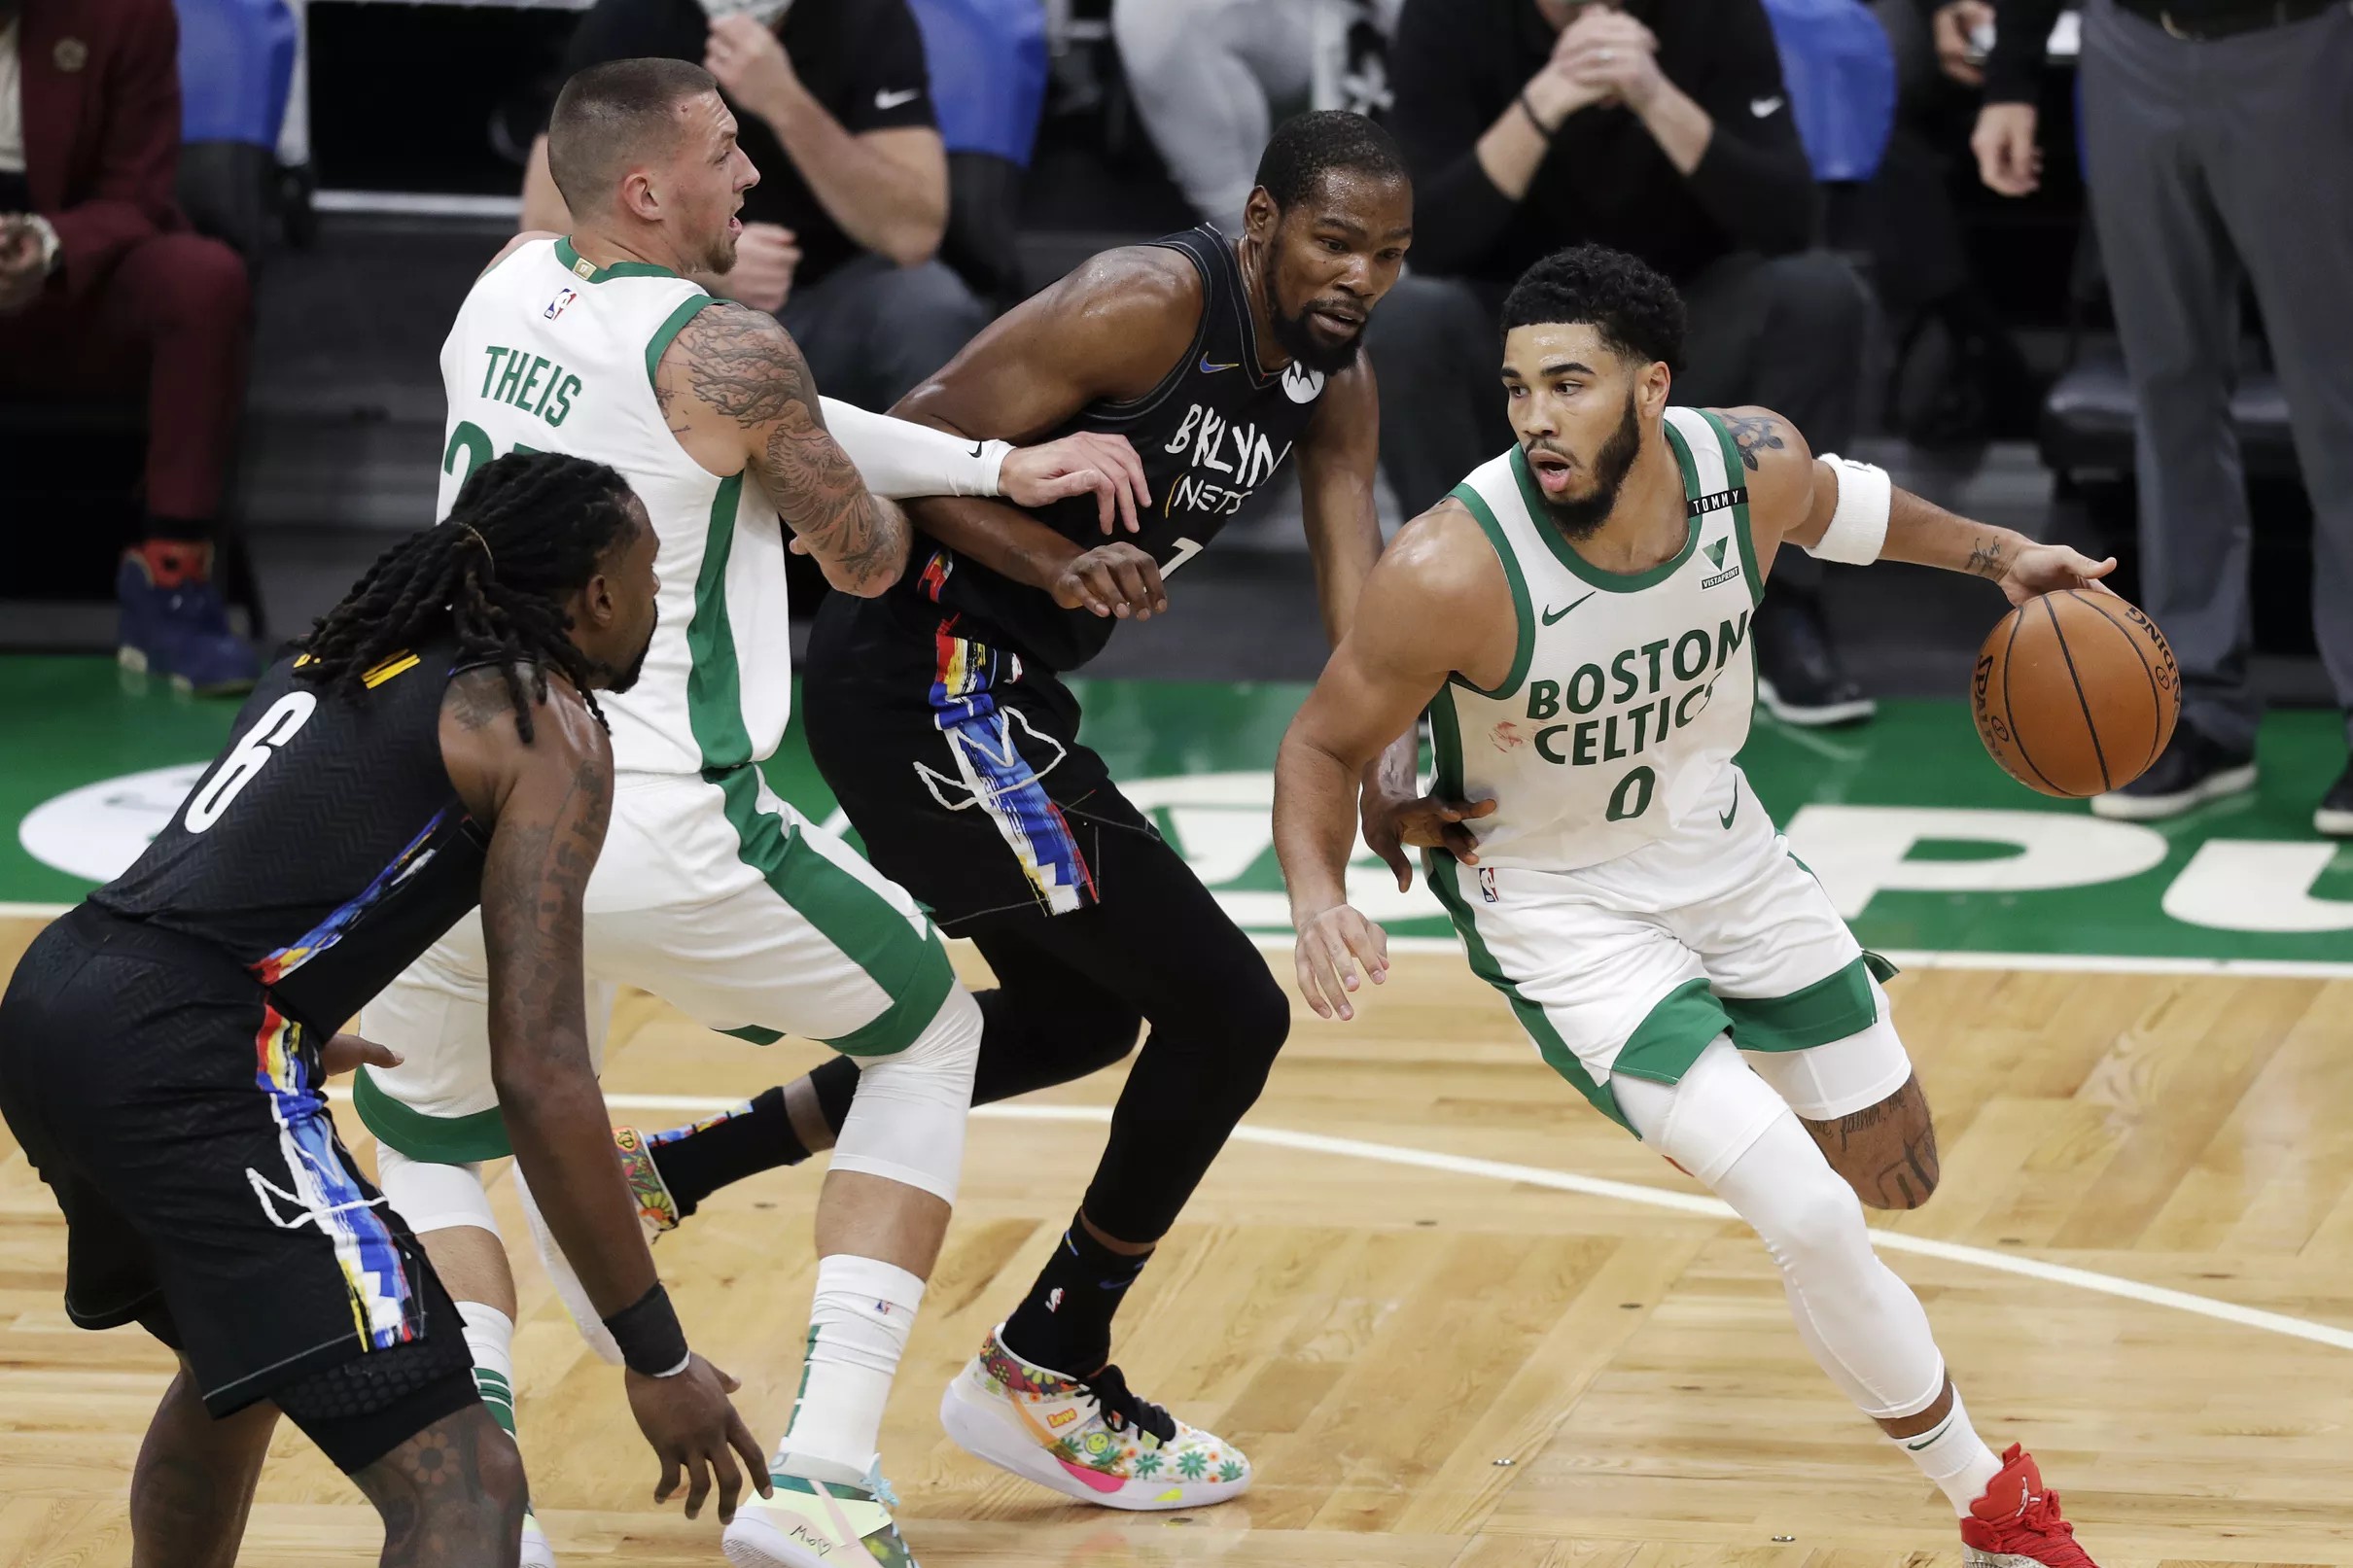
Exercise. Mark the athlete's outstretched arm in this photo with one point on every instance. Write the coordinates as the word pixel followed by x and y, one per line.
pixel 548 801
pixel 1110 329
pixel 1338 456
pixel 1796 496
pixel 1434 604
pixel 736 390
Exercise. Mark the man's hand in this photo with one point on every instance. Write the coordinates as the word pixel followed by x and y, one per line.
pixel 1954 24
pixel 751 64
pixel 1332 945
pixel 1611 52
pixel 1555 92
pixel 687 1419
pixel 2007 160
pixel 347 1052
pixel 22 274
pixel 1112 580
pixel 2040 568
pixel 1089 461
pixel 1427 822
pixel 765 258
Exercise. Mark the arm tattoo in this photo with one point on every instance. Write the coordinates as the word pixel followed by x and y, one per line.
pixel 1986 559
pixel 1751 433
pixel 531 909
pixel 745 367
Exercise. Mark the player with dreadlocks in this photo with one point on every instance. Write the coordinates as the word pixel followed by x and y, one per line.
pixel 163 1046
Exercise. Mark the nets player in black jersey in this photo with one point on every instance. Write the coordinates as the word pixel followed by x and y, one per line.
pixel 161 1045
pixel 936 714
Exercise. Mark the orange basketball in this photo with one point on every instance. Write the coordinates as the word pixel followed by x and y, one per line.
pixel 2076 693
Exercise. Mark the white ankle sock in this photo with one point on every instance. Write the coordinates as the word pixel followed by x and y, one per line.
pixel 1954 1456
pixel 857 1330
pixel 490 1339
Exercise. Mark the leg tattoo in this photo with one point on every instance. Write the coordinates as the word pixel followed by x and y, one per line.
pixel 451 1496
pixel 1886 1152
pixel 194 1480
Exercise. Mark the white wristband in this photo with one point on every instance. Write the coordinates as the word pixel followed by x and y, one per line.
pixel 899 459
pixel 1858 527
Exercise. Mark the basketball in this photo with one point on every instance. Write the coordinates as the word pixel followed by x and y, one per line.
pixel 2075 694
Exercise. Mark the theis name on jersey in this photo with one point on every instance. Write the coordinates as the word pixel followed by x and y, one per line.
pixel 1655 690
pixel 531 382
pixel 1234 448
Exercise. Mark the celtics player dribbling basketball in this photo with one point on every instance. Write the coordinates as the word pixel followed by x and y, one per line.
pixel 1574 618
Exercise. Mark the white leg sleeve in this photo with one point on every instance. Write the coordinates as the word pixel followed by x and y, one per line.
pixel 1861 1323
pixel 433 1197
pixel 567 1287
pixel 1842 1077
pixel 906 1123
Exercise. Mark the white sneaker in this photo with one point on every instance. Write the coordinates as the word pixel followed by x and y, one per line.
pixel 537 1552
pixel 1089 1439
pixel 807 1522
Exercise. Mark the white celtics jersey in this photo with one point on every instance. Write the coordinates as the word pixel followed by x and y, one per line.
pixel 1629 692
pixel 550 354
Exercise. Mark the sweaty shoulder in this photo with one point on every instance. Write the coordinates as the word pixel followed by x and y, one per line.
pixel 1440 586
pixel 1142 303
pixel 482 739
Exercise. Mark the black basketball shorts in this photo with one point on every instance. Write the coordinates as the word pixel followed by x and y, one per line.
pixel 177 1117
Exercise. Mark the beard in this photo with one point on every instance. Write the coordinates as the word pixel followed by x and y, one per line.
pixel 1295 338
pixel 620 679
pixel 719 259
pixel 1578 517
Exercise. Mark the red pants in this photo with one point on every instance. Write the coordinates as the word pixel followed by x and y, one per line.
pixel 174 317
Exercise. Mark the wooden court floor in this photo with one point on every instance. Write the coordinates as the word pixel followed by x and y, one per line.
pixel 1463 1367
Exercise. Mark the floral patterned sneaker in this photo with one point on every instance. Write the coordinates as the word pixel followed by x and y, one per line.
pixel 1086 1438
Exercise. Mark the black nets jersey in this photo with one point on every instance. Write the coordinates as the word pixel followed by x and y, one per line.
pixel 1214 430
pixel 325 848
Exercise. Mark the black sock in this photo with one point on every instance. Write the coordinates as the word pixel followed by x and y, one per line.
pixel 179 530
pixel 698 1160
pixel 1064 1323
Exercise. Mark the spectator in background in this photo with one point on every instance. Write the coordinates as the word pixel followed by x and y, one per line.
pixel 103 292
pixel 1206 74
pixel 2219 139
pixel 840 235
pixel 1959 375
pixel 1532 124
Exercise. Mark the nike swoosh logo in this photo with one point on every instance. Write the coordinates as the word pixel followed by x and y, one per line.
pixel 1762 106
pixel 891 100
pixel 1915 1448
pixel 976 447
pixel 1551 615
pixel 1206 369
pixel 1727 818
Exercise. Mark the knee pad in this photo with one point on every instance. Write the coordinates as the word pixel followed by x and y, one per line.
pixel 1708 1119
pixel 906 1123
pixel 431 1197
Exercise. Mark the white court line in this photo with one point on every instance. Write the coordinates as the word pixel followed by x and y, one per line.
pixel 1626 1192
pixel 2102 964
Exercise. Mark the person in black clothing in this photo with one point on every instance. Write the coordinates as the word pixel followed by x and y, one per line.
pixel 2218 143
pixel 437 746
pixel 1662 130
pixel 840 240
pixel 937 714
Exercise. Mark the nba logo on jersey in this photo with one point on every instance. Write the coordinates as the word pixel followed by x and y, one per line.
pixel 555 306
pixel 1487 885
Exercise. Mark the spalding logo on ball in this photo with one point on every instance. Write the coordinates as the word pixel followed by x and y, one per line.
pixel 2076 693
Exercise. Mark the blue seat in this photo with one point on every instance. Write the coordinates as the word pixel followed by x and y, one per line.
pixel 988 63
pixel 236 69
pixel 1841 74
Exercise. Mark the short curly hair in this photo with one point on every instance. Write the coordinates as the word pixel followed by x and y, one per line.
pixel 1305 148
pixel 1636 310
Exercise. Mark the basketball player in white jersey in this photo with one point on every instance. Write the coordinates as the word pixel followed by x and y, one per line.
pixel 713 894
pixel 1574 618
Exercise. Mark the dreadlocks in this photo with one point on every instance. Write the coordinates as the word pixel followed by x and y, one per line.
pixel 526 531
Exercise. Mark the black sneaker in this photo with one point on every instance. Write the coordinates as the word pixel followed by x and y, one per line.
pixel 2334 817
pixel 1799 680
pixel 2192 771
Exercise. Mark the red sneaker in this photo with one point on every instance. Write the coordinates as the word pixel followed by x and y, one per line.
pixel 2016 1524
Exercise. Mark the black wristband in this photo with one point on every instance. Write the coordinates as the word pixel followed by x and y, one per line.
pixel 652 1342
pixel 1548 132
